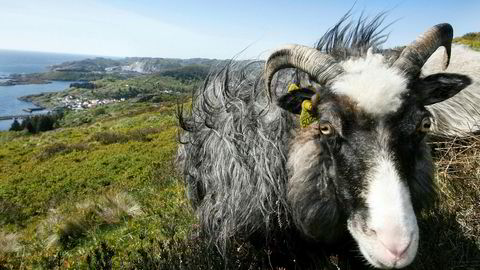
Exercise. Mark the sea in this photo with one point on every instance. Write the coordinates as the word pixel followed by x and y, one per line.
pixel 23 62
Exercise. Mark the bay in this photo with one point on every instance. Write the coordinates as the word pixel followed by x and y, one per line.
pixel 11 105
pixel 24 62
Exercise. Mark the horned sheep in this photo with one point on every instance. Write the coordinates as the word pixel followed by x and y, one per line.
pixel 358 173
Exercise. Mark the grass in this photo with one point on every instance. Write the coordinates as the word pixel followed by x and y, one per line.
pixel 101 192
pixel 470 39
pixel 450 234
pixel 9 243
pixel 61 148
pixel 66 229
pixel 64 192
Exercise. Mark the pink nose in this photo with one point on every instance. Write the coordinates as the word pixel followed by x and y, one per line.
pixel 395 244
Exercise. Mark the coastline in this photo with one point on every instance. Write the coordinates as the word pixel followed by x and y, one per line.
pixel 23 81
pixel 14 99
pixel 40 100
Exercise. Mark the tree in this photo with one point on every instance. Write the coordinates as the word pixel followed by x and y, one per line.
pixel 16 126
pixel 27 123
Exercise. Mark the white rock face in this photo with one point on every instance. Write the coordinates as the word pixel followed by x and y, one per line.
pixel 136 66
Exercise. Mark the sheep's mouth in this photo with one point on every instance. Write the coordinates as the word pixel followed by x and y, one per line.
pixel 378 255
pixel 385 262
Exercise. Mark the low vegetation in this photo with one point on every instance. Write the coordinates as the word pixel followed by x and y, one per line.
pixel 67 229
pixel 101 192
pixel 470 39
pixel 65 192
pixel 9 243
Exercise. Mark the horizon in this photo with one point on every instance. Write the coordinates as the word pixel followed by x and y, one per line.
pixel 90 56
pixel 211 29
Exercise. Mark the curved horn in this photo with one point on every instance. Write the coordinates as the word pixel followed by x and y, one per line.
pixel 414 56
pixel 320 66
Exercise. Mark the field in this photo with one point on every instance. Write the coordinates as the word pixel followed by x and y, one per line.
pixel 102 192
pixel 64 192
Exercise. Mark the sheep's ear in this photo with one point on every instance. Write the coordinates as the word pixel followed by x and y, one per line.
pixel 439 87
pixel 292 101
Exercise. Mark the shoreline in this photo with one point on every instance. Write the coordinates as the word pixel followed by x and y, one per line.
pixel 47 100
pixel 22 79
pixel 13 82
pixel 16 100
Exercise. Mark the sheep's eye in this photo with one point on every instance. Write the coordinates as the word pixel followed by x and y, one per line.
pixel 425 125
pixel 326 129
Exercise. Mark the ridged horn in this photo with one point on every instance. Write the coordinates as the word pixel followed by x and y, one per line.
pixel 322 67
pixel 414 56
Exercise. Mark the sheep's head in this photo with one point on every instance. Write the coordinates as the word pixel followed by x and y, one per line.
pixel 363 164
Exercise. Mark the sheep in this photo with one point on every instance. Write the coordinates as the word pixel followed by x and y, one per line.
pixel 459 115
pixel 354 178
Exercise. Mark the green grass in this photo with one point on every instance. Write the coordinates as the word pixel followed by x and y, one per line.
pixel 65 178
pixel 470 39
pixel 102 191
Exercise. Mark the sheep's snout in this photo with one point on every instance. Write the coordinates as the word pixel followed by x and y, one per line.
pixel 386 230
pixel 393 246
pixel 395 243
pixel 389 246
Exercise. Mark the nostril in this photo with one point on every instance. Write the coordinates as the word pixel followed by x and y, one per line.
pixel 398 251
pixel 395 246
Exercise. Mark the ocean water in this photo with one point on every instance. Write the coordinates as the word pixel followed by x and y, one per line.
pixel 10 105
pixel 27 62
pixel 31 62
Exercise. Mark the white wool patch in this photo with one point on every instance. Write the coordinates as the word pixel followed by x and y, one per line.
pixel 392 234
pixel 376 87
pixel 388 198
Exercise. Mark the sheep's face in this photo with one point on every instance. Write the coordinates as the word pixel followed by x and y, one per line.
pixel 363 164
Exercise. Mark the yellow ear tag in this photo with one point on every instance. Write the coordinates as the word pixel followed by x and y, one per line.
pixel 306 116
pixel 292 87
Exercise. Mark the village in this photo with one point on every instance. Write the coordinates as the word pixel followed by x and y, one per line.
pixel 76 103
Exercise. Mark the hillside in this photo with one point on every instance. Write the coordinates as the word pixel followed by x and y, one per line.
pixel 63 193
pixel 100 68
pixel 102 190
pixel 155 87
pixel 132 64
pixel 470 39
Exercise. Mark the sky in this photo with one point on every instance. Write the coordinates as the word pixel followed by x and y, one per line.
pixel 209 29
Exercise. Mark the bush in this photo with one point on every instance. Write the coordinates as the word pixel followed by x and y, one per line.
pixel 41 122
pixel 102 257
pixel 16 126
pixel 108 137
pixel 99 111
pixel 139 135
pixel 56 148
